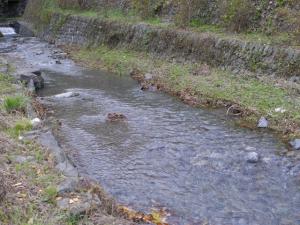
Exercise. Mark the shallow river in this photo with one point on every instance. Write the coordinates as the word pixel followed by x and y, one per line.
pixel 189 160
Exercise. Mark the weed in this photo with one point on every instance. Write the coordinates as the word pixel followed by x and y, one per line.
pixel 49 194
pixel 15 103
pixel 20 127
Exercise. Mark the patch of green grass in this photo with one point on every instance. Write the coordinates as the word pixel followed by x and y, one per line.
pixel 49 194
pixel 15 103
pixel 5 84
pixel 20 127
pixel 73 219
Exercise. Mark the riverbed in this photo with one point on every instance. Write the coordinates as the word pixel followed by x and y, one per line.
pixel 166 155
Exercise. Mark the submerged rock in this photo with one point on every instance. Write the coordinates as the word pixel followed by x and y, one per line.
pixel 263 123
pixel 113 117
pixel 252 157
pixel 295 144
pixel 67 95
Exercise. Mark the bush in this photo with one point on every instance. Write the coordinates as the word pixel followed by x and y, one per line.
pixel 15 103
pixel 238 15
pixel 147 8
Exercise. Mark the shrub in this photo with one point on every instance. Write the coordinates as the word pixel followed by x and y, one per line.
pixel 147 8
pixel 186 10
pixel 15 103
pixel 238 15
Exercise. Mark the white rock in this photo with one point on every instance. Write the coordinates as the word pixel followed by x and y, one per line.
pixel 21 138
pixel 148 76
pixel 35 122
pixel 263 123
pixel 67 95
pixel 252 157
pixel 281 110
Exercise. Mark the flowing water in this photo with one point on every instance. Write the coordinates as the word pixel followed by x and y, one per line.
pixel 7 31
pixel 189 160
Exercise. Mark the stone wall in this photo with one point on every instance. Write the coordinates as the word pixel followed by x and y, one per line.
pixel 236 55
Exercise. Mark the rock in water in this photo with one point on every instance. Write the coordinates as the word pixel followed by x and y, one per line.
pixel 252 157
pixel 114 117
pixel 263 123
pixel 67 95
pixel 34 78
pixel 295 144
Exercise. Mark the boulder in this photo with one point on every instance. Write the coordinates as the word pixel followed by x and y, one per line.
pixel 34 78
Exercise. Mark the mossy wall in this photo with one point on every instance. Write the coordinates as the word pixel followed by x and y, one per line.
pixel 236 55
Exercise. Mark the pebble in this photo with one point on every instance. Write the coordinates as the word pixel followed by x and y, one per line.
pixel 263 123
pixel 35 122
pixel 252 157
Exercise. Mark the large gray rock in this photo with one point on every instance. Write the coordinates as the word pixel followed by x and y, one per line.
pixel 34 78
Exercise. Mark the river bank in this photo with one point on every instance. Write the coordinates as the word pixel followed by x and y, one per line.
pixel 39 183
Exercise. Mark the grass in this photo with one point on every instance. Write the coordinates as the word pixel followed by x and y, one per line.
pixel 28 182
pixel 15 103
pixel 205 84
pixel 50 194
pixel 20 127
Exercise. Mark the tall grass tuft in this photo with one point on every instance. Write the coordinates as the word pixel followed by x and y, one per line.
pixel 20 127
pixel 15 103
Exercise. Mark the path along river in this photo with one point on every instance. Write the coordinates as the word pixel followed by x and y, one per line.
pixel 189 160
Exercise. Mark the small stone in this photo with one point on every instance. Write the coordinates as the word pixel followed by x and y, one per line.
pixel 63 203
pixel 280 110
pixel 252 157
pixel 295 144
pixel 148 76
pixel 23 159
pixel 68 185
pixel 295 79
pixel 58 62
pixel 263 123
pixel 36 122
